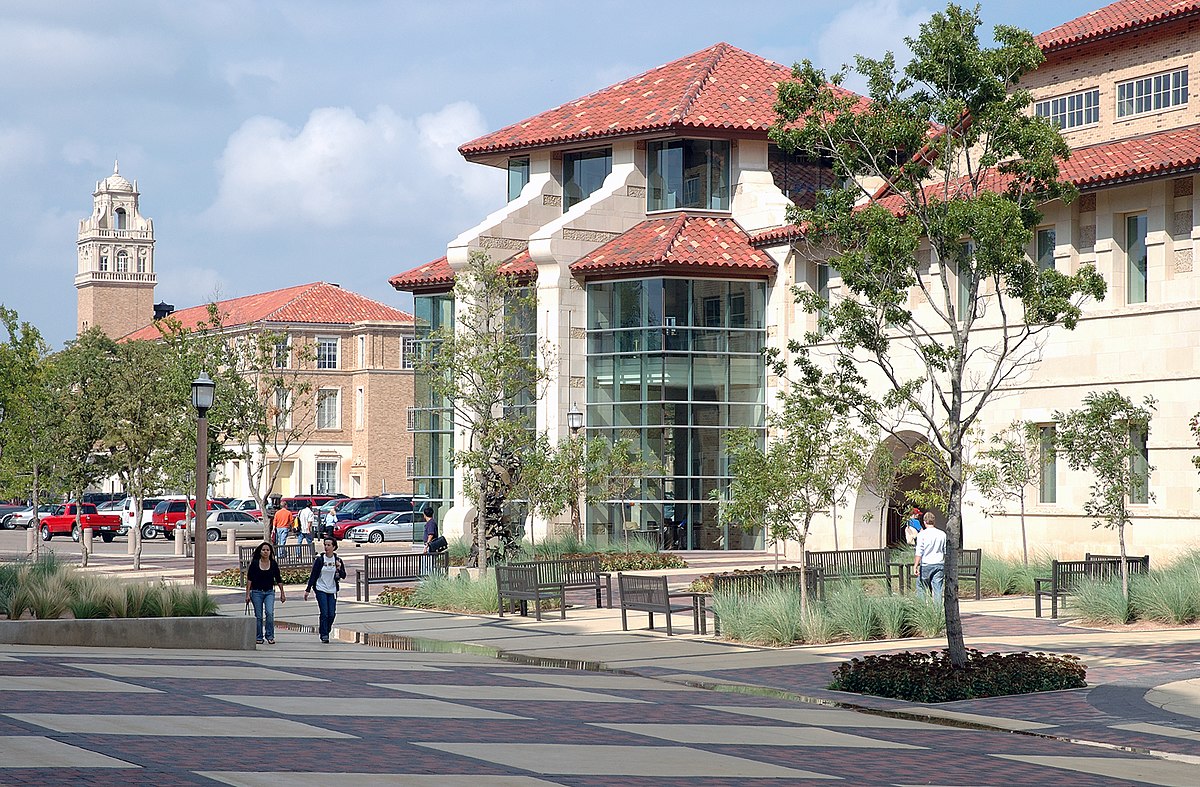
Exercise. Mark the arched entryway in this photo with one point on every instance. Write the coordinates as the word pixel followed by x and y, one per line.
pixel 880 515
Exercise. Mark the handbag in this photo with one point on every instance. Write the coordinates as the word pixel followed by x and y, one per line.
pixel 438 544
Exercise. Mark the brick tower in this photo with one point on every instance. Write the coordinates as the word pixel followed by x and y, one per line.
pixel 116 278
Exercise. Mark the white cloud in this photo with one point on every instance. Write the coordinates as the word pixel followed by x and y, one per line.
pixel 869 28
pixel 250 71
pixel 341 169
pixel 53 55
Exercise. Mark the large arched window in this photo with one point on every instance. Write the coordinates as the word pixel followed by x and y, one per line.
pixel 119 220
pixel 122 262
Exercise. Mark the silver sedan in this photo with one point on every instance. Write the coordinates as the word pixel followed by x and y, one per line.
pixel 396 526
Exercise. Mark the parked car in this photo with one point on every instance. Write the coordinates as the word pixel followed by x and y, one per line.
pixel 6 509
pixel 220 523
pixel 113 508
pixel 24 517
pixel 345 526
pixel 63 522
pixel 359 507
pixel 298 503
pixel 145 521
pixel 393 526
pixel 169 513
pixel 247 504
pixel 327 514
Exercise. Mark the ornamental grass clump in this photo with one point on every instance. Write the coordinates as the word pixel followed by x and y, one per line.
pixel 928 617
pixel 89 598
pixel 930 677
pixel 773 618
pixel 853 612
pixel 1101 601
pixel 142 600
pixel 895 616
pixel 49 596
pixel 188 601
pixel 457 594
pixel 1171 596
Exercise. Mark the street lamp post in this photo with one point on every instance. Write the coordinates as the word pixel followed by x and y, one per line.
pixel 202 400
pixel 575 423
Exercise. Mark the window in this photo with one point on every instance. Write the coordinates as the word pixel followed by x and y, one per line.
pixel 122 261
pixel 119 220
pixel 141 263
pixel 360 415
pixel 583 173
pixel 327 474
pixel 962 275
pixel 518 176
pixel 1149 94
pixel 1048 481
pixel 104 262
pixel 1135 255
pixel 283 353
pixel 412 419
pixel 362 352
pixel 1045 249
pixel 328 408
pixel 687 173
pixel 283 408
pixel 408 350
pixel 327 352
pixel 1067 112
pixel 410 467
pixel 1139 467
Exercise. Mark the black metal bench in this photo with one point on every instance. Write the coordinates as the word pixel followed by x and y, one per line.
pixel 650 594
pixel 754 583
pixel 1065 575
pixel 399 567
pixel 287 556
pixel 969 568
pixel 856 564
pixel 572 574
pixel 519 584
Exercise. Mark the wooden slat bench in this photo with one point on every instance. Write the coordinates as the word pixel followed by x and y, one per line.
pixel 855 564
pixel 519 584
pixel 1065 575
pixel 650 594
pixel 572 574
pixel 398 567
pixel 287 556
pixel 969 564
pixel 755 583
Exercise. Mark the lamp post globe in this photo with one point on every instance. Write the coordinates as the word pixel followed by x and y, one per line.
pixel 202 392
pixel 202 399
pixel 574 418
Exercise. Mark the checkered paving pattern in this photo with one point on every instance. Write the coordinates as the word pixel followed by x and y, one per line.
pixel 393 717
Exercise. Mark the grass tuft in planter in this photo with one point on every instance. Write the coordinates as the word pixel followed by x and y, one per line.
pixel 895 616
pixel 816 628
pixel 457 594
pixel 1101 601
pixel 190 601
pixel 928 617
pixel 1167 597
pixel 49 597
pixel 89 598
pixel 853 612
pixel 143 600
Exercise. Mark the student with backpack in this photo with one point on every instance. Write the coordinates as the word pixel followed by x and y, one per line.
pixel 324 578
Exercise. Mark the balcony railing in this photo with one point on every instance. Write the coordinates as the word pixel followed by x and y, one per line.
pixel 128 277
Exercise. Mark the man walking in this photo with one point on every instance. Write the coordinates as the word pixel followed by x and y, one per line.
pixel 929 563
pixel 306 524
pixel 282 522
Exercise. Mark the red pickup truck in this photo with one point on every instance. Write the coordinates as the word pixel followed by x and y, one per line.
pixel 62 522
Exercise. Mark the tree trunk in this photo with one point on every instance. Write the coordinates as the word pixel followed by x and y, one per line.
pixel 883 525
pixel 1024 542
pixel 83 550
pixel 835 533
pixel 37 520
pixel 955 643
pixel 576 521
pixel 1124 564
pixel 135 533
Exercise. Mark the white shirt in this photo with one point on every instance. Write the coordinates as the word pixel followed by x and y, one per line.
pixel 306 520
pixel 327 582
pixel 931 546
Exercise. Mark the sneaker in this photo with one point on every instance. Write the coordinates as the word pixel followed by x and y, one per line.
pixel 324 639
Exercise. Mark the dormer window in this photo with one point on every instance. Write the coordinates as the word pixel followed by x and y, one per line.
pixel 583 173
pixel 687 173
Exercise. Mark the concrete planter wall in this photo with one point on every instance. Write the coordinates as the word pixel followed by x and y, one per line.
pixel 208 633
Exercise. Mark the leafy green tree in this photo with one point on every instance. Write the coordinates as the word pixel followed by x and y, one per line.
pixel 811 455
pixel 1008 467
pixel 879 478
pixel 489 368
pixel 1107 436
pixel 940 304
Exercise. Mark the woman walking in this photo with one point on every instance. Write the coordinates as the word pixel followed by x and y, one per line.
pixel 326 571
pixel 261 578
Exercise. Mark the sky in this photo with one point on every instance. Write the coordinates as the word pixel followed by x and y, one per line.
pixel 277 142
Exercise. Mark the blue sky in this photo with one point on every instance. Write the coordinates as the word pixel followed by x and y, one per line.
pixel 277 143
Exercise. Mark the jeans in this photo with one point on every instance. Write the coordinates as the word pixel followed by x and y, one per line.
pixel 281 534
pixel 327 604
pixel 933 578
pixel 264 607
pixel 301 536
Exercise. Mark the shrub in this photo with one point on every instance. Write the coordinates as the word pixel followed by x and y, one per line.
pixel 928 617
pixel 1166 597
pixel 88 598
pixel 396 597
pixel 816 628
pixel 230 577
pixel 852 612
pixel 1101 601
pixel 774 618
pixel 638 561
pixel 929 677
pixel 49 596
pixel 895 616
pixel 142 600
pixel 188 601
pixel 457 594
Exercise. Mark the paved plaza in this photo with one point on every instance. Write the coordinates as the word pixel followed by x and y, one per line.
pixel 442 699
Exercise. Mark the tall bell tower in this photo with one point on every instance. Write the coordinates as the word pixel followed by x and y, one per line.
pixel 115 280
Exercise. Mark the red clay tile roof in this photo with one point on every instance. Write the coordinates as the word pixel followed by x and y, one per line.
pixel 679 244
pixel 721 87
pixel 318 303
pixel 779 235
pixel 1119 17
pixel 520 265
pixel 435 275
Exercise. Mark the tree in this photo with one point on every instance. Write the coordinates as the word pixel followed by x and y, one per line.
pixel 812 453
pixel 1108 436
pixel 489 368
pixel 26 414
pixel 965 165
pixel 1008 467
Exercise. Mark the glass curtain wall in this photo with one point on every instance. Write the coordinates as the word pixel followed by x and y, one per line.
pixel 432 420
pixel 673 364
